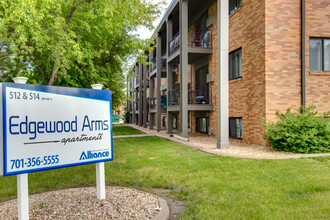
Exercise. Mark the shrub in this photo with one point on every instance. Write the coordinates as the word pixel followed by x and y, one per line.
pixel 301 132
pixel 126 116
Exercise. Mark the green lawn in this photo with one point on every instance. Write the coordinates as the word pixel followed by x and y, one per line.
pixel 213 187
pixel 125 130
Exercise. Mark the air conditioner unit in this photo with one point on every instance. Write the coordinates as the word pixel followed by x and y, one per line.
pixel 209 21
pixel 211 130
pixel 163 87
pixel 210 77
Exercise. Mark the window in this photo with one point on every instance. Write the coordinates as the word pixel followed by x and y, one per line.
pixel 202 125
pixel 235 64
pixel 319 54
pixel 201 86
pixel 234 5
pixel 236 128
pixel 164 122
pixel 175 126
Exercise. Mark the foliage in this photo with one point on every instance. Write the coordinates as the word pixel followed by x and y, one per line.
pixel 126 116
pixel 211 186
pixel 73 43
pixel 301 132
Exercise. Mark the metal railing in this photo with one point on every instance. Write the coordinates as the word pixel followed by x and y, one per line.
pixel 202 96
pixel 152 103
pixel 201 39
pixel 137 105
pixel 163 101
pixel 164 60
pixel 174 96
pixel 153 64
pixel 174 43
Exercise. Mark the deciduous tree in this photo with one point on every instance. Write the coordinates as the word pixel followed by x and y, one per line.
pixel 73 42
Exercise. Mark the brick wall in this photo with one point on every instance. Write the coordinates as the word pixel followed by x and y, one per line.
pixel 317 25
pixel 213 60
pixel 247 94
pixel 283 71
pixel 283 55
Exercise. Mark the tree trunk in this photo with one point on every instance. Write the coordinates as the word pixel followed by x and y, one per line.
pixel 53 79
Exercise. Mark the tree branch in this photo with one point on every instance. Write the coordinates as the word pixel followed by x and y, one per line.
pixel 53 78
pixel 36 61
pixel 74 9
pixel 115 49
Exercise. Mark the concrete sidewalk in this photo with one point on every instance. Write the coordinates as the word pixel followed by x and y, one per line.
pixel 208 145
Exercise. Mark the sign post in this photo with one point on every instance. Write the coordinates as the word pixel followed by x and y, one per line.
pixel 100 178
pixel 22 180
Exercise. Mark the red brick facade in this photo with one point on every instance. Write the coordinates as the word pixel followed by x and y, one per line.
pixel 247 94
pixel 268 32
pixel 317 25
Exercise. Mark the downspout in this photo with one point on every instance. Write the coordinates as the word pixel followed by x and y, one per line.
pixel 303 54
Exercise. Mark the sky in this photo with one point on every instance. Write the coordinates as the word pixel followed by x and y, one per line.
pixel 144 32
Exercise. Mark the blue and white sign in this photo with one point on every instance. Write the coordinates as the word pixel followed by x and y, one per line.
pixel 48 127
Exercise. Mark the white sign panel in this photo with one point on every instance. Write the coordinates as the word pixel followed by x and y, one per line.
pixel 47 127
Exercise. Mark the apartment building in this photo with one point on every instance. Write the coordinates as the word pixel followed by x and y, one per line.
pixel 219 66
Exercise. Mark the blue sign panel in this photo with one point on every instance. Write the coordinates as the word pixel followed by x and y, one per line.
pixel 48 127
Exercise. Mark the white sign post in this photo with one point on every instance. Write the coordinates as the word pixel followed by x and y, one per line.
pixel 100 178
pixel 49 127
pixel 22 180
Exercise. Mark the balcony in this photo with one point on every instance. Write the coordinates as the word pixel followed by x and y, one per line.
pixel 164 61
pixel 174 43
pixel 153 64
pixel 174 97
pixel 137 105
pixel 163 103
pixel 137 83
pixel 201 39
pixel 152 103
pixel 201 96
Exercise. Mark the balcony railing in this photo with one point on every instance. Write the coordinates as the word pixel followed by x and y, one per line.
pixel 153 64
pixel 202 96
pixel 201 39
pixel 174 96
pixel 152 103
pixel 163 103
pixel 174 43
pixel 164 60
pixel 137 105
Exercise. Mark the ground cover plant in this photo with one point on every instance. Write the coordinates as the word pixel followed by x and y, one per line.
pixel 125 130
pixel 299 132
pixel 212 187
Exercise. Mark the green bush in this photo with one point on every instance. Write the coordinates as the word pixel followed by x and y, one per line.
pixel 301 132
pixel 126 116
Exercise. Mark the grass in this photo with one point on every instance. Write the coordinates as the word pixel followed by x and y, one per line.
pixel 124 130
pixel 213 187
